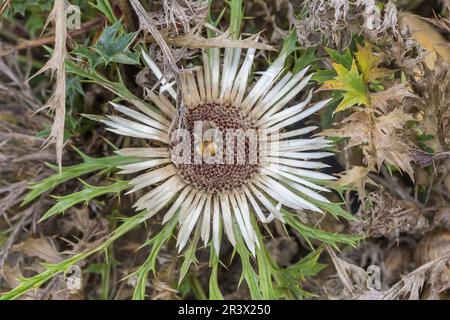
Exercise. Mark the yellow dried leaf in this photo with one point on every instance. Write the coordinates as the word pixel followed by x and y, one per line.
pixel 368 63
pixel 427 36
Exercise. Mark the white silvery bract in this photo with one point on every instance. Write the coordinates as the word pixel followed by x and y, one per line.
pixel 205 197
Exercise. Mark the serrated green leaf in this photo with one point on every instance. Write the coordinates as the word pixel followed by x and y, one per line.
pixel 88 193
pixel 344 59
pixel 105 7
pixel 334 209
pixel 333 239
pixel 156 244
pixel 289 279
pixel 323 75
pixel 308 266
pixel 290 44
pixel 305 58
pixel 265 270
pixel 21 6
pixel 113 48
pixel 92 57
pixel 214 290
pixel 248 273
pixel 189 256
pixel 89 165
pixel 351 83
pixel 52 270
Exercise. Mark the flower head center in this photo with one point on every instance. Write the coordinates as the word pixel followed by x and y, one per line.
pixel 208 148
pixel 220 148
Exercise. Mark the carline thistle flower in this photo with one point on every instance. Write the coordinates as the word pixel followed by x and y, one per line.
pixel 225 153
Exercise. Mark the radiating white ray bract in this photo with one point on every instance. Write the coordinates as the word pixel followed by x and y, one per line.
pixel 284 178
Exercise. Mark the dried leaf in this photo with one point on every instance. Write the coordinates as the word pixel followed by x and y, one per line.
pixel 434 89
pixel 353 277
pixel 393 120
pixel 390 146
pixel 396 93
pixel 57 102
pixel 429 38
pixel 389 217
pixel 43 248
pixel 146 23
pixel 393 150
pixel 195 40
pixel 412 284
pixel 356 177
pixel 356 127
pixel 383 143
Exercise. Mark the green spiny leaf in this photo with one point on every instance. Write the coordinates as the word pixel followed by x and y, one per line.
pixel 52 270
pixel 89 165
pixel 105 7
pixel 189 256
pixel 344 59
pixel 309 233
pixel 88 193
pixel 214 290
pixel 150 263
pixel 248 273
pixel 351 83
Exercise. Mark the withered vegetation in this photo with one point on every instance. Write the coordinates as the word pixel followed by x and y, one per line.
pixel 389 119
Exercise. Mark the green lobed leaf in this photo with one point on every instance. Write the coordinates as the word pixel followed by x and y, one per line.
pixel 114 48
